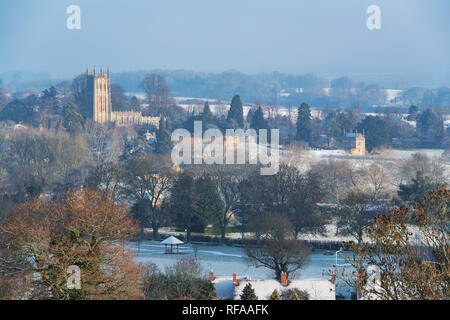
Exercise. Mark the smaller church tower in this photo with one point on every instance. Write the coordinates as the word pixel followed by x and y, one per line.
pixel 360 145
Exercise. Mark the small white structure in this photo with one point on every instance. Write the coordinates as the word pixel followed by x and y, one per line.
pixel 169 244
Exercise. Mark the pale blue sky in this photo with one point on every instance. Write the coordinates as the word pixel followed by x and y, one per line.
pixel 327 37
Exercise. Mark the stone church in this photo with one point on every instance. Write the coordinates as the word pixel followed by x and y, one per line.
pixel 99 89
pixel 360 145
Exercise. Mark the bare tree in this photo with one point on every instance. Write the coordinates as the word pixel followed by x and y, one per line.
pixel 158 94
pixel 220 109
pixel 104 141
pixel 433 168
pixel 276 250
pixel 147 179
pixel 338 177
pixel 355 214
pixel 374 180
pixel 227 183
pixel 273 109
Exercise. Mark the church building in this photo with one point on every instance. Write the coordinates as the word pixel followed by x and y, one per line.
pixel 99 90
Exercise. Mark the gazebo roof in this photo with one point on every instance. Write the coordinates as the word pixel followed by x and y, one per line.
pixel 172 240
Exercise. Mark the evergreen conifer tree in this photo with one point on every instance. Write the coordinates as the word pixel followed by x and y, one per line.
pixel 72 119
pixel 236 114
pixel 275 295
pixel 163 137
pixel 304 123
pixel 258 121
pixel 207 115
pixel 208 203
pixel 248 293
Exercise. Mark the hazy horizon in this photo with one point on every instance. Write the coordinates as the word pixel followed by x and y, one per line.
pixel 326 38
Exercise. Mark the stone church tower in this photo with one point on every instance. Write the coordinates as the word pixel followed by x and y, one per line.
pixel 100 91
pixel 360 145
pixel 99 96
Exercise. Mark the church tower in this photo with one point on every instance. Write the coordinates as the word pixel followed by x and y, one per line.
pixel 360 145
pixel 99 99
pixel 100 94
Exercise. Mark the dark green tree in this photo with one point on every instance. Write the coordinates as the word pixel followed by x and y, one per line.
pixel 376 131
pixel 182 205
pixel 236 114
pixel 207 115
pixel 354 215
pixel 248 293
pixel 208 203
pixel 412 112
pixel 164 143
pixel 50 93
pixel 21 110
pixel 304 123
pixel 72 118
pixel 34 185
pixel 141 212
pixel 430 127
pixel 303 212
pixel 134 104
pixel 258 121
pixel 331 126
pixel 82 95
pixel 134 148
pixel 417 189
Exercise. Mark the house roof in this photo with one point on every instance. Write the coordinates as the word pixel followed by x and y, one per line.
pixel 317 289
pixel 172 240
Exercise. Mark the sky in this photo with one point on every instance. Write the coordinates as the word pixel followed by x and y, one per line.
pixel 325 37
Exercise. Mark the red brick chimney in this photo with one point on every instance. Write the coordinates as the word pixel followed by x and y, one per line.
pixel 333 278
pixel 234 279
pixel 211 276
pixel 284 279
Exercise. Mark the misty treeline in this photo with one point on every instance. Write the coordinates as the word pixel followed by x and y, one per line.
pixel 267 87
pixel 272 88
pixel 64 107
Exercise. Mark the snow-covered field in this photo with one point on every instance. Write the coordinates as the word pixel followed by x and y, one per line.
pixel 388 158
